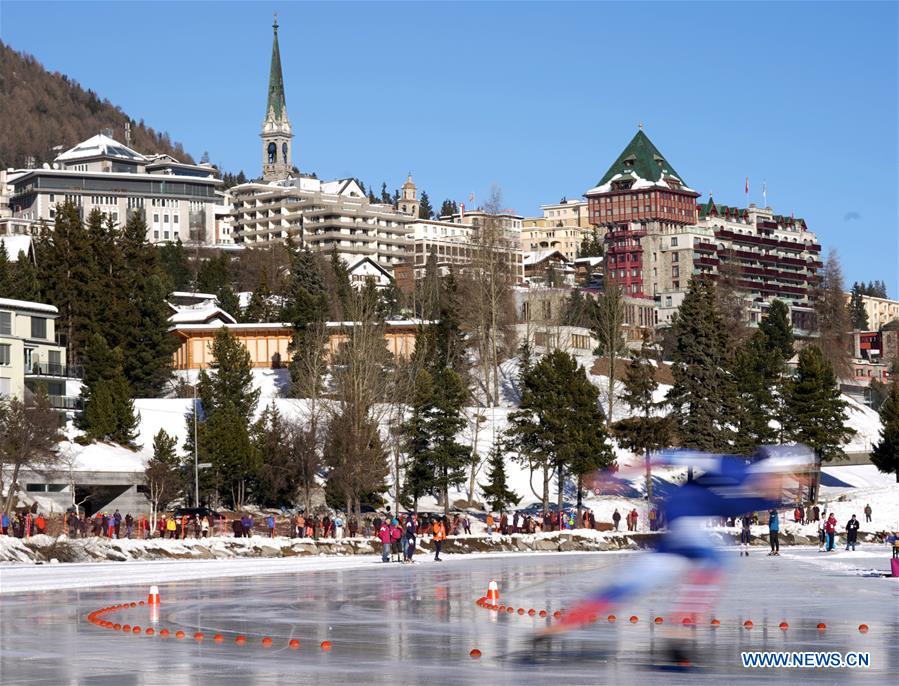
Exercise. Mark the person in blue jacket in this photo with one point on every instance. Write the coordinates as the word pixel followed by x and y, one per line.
pixel 774 532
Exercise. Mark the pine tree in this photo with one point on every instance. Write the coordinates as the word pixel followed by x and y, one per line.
pixel 6 282
pixel 419 472
pixel 385 194
pixel 756 368
pixel 278 476
pixel 644 432
pixel 778 330
pixel 496 491
pixel 815 410
pixel 607 327
pixel 68 276
pixel 25 283
pixel 858 315
pixel 341 287
pixel 108 409
pixel 174 262
pixel 448 208
pixel 425 211
pixel 703 397
pixel 885 455
pixel 232 381
pixel 214 274
pixel 306 308
pixel 163 476
pixel 560 424
pixel 260 308
pixel 235 460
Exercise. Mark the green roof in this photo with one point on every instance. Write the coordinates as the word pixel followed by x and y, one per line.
pixel 275 80
pixel 642 158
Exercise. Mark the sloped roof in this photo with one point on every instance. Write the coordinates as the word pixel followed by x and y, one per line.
pixel 538 256
pixel 101 146
pixel 276 102
pixel 642 158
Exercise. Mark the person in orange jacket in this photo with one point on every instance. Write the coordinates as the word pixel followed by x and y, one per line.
pixel 439 538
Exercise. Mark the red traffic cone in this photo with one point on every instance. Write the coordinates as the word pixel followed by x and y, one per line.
pixel 492 593
pixel 153 598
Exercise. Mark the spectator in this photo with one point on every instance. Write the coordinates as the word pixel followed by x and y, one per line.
pixel 466 525
pixel 204 526
pixel 384 537
pixel 808 514
pixel 439 538
pixel 237 528
pixel 652 519
pixel 816 513
pixel 270 523
pixel 851 532
pixel 397 534
pixel 129 525
pixel 4 524
pixel 797 515
pixel 172 527
pixel 830 528
pixel 409 551
pixel 111 527
pixel 868 512
pixel 338 526
pixel 503 523
pixel 353 526
pixel 774 532
pixel 489 524
pixel 616 517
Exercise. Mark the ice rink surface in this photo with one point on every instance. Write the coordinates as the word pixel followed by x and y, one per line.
pixel 395 624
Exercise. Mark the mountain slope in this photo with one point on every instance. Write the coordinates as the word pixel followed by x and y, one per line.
pixel 40 110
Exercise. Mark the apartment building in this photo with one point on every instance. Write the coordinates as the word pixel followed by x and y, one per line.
pixel 178 199
pixel 562 227
pixel 30 356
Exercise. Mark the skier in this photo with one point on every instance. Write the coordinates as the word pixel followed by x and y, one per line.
pixel 774 532
pixel 851 532
pixel 746 522
pixel 727 486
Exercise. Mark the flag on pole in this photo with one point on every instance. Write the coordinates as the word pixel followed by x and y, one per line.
pixel 747 186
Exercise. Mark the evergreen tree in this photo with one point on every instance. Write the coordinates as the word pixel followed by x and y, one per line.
pixel 260 308
pixel 419 472
pixel 25 283
pixel 6 281
pixel 778 330
pixel 448 208
pixel 560 424
pixel 703 397
pixel 305 307
pixel 858 315
pixel 108 409
pixel 591 245
pixel 145 320
pixel 757 368
pixel 643 433
pixel 815 410
pixel 214 273
pixel 341 287
pixel 227 299
pixel 68 275
pixel 174 262
pixel 235 460
pixel 278 476
pixel 579 309
pixel 885 455
pixel 385 194
pixel 496 490
pixel 425 211
pixel 607 327
pixel 232 381
pixel 163 476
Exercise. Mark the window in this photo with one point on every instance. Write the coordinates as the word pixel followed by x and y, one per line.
pixel 38 327
pixel 5 349
pixel 673 241
pixel 155 218
pixel 667 301
pixel 5 323
pixel 675 271
pixel 675 257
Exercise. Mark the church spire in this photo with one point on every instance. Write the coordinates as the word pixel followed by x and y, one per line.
pixel 276 132
pixel 276 103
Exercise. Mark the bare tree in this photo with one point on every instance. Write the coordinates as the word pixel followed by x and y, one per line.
pixel 832 315
pixel 608 329
pixel 29 431
pixel 489 312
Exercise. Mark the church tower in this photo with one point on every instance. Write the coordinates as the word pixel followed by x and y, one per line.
pixel 276 133
pixel 409 203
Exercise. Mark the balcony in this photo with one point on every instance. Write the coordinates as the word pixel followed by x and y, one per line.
pixel 54 371
pixel 65 402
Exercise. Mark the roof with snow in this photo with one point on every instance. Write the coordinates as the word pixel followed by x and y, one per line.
pixel 101 146
pixel 28 305
pixel 201 315
pixel 643 164
pixel 538 256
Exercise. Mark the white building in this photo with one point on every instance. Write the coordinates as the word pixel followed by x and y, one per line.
pixel 178 198
pixel 30 356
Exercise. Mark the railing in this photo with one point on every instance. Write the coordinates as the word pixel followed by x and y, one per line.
pixel 59 370
pixel 65 402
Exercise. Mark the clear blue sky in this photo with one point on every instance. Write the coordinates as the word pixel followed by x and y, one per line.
pixel 538 98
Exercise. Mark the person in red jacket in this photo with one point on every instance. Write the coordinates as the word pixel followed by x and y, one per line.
pixel 830 529
pixel 384 536
pixel 439 538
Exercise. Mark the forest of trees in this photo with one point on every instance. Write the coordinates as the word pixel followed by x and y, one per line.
pixel 40 110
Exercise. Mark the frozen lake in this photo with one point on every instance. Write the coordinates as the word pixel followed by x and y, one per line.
pixel 395 624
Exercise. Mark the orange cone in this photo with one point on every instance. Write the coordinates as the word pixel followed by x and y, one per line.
pixel 492 593
pixel 153 598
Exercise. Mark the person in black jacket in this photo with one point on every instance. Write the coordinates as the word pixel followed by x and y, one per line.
pixel 851 532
